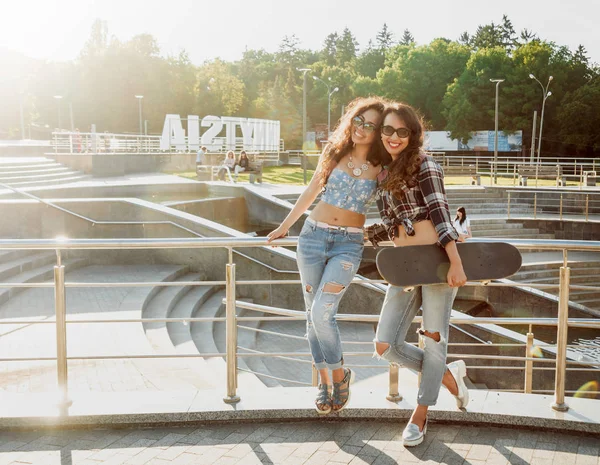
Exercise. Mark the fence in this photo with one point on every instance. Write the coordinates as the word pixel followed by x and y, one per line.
pixel 561 365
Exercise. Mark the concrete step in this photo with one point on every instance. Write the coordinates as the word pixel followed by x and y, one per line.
pixel 25 165
pixel 205 336
pixel 65 180
pixel 191 370
pixel 37 275
pixel 575 279
pixel 247 340
pixel 574 265
pixel 39 177
pixel 33 171
pixel 527 274
pixel 591 303
pixel 477 226
pixel 22 264
pixel 9 255
pixel 159 307
pixel 299 367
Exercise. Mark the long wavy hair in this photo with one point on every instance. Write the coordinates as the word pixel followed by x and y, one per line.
pixel 464 215
pixel 402 172
pixel 340 142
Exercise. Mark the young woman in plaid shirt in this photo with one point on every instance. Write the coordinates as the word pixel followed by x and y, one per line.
pixel 413 206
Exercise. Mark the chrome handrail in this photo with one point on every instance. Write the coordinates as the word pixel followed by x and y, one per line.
pixel 562 364
pixel 134 223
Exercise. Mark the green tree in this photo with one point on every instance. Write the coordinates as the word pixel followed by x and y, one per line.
pixel 578 118
pixel 384 38
pixel 346 48
pixel 407 38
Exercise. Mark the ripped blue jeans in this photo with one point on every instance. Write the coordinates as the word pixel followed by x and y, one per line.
pixel 326 257
pixel 398 311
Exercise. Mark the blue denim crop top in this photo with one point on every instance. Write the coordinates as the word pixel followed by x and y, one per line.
pixel 347 192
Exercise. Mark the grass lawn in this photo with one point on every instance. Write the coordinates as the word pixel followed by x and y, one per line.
pixel 271 174
pixel 294 175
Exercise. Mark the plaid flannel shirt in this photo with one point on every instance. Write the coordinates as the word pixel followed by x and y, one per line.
pixel 426 200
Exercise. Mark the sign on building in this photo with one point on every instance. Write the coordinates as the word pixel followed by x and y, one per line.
pixel 256 134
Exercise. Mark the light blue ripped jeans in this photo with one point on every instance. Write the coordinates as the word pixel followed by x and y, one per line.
pixel 398 311
pixel 326 256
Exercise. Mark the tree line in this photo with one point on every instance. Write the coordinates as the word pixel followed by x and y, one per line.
pixel 447 80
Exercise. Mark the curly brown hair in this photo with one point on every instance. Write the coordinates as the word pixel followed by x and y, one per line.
pixel 340 141
pixel 402 172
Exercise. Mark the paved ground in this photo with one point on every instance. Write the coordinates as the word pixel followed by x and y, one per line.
pixel 309 443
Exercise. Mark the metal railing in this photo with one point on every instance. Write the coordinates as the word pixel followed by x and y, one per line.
pixel 521 170
pixel 561 364
pixel 571 205
pixel 105 142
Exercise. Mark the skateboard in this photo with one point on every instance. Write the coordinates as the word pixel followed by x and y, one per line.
pixel 428 264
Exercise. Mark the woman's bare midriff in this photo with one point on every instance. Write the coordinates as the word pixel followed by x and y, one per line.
pixel 337 216
pixel 425 234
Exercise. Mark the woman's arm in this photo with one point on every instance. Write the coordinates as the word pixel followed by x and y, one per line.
pixel 431 183
pixel 456 274
pixel 304 201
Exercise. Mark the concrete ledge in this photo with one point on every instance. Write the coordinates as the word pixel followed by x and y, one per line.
pixel 153 408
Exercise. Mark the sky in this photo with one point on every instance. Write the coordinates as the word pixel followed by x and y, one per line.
pixel 57 30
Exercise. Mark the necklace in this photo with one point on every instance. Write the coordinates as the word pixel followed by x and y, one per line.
pixel 357 172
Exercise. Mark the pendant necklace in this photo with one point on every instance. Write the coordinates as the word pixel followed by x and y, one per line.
pixel 356 171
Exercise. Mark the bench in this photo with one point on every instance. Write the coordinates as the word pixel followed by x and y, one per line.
pixel 541 172
pixel 464 170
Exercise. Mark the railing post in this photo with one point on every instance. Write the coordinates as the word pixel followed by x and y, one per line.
pixel 304 168
pixel 529 363
pixel 535 205
pixel 394 395
pixel 230 334
pixel 508 207
pixel 60 310
pixel 561 205
pixel 587 204
pixel 514 175
pixel 561 337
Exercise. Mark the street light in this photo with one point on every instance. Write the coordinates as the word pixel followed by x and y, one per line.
pixel 140 97
pixel 304 71
pixel 22 118
pixel 329 94
pixel 58 98
pixel 546 94
pixel 497 81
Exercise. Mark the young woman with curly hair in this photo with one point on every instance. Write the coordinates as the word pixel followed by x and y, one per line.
pixel 331 243
pixel 414 209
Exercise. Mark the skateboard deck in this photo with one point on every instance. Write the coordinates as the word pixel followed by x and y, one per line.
pixel 428 264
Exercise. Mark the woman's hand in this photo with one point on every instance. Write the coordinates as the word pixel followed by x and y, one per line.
pixel 281 231
pixel 456 275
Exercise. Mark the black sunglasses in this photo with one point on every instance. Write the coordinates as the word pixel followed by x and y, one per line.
pixel 389 131
pixel 359 121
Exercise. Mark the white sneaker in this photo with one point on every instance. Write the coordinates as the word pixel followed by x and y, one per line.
pixel 459 371
pixel 411 436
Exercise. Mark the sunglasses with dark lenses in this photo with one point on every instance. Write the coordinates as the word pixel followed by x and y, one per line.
pixel 359 121
pixel 389 131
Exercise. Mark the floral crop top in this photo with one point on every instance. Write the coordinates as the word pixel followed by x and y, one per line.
pixel 350 193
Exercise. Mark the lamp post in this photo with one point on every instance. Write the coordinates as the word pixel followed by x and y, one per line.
pixel 329 94
pixel 304 71
pixel 140 97
pixel 546 94
pixel 497 81
pixel 58 99
pixel 22 117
